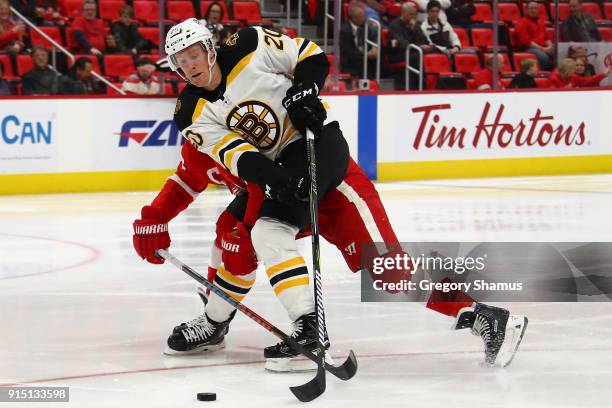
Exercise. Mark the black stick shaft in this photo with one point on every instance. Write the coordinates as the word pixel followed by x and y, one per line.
pixel 314 221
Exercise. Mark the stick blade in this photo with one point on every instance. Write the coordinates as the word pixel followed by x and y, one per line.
pixel 346 370
pixel 312 389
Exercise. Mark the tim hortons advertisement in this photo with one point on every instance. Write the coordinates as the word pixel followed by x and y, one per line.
pixel 490 126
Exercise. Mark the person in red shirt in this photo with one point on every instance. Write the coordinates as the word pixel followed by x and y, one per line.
pixel 12 30
pixel 89 31
pixel 530 35
pixel 565 76
pixel 484 78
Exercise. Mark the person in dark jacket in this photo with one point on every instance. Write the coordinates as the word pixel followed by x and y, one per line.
pixel 529 69
pixel 579 26
pixel 352 45
pixel 80 80
pixel 460 13
pixel 406 30
pixel 42 79
pixel 6 88
pixel 128 38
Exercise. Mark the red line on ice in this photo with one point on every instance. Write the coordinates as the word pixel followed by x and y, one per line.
pixel 94 254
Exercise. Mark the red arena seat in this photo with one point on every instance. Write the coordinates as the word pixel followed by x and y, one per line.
pixel 150 33
pixel 467 63
pixel 53 32
pixel 118 65
pixel 180 10
pixel 109 9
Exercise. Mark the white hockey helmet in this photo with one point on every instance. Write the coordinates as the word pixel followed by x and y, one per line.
pixel 185 34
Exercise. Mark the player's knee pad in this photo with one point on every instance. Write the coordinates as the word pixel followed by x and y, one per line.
pixel 274 240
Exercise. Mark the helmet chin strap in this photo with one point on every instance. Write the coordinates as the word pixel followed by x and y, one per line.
pixel 211 65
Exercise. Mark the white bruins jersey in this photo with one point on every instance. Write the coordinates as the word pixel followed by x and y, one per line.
pixel 245 113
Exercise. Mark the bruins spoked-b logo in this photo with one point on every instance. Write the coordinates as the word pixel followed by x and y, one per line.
pixel 256 122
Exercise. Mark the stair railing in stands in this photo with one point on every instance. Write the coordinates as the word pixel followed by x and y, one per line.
pixel 376 44
pixel 410 69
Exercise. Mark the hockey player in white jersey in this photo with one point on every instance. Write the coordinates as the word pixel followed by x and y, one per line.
pixel 247 106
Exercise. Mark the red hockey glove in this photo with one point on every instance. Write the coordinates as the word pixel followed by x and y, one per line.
pixel 238 253
pixel 151 234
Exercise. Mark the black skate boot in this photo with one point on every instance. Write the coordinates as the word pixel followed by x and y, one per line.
pixel 282 358
pixel 501 332
pixel 197 336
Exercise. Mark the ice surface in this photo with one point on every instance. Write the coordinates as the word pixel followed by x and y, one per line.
pixel 78 308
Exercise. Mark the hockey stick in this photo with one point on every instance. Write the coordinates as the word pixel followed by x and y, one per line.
pixel 318 382
pixel 343 372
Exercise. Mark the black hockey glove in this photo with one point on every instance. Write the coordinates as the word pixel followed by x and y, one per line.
pixel 293 191
pixel 305 108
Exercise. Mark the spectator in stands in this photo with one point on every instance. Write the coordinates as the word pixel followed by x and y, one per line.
pixel 579 26
pixel 212 20
pixel 578 51
pixel 531 35
pixel 423 13
pixel 27 8
pixel 405 30
pixel 484 78
pixel 526 79
pixel 352 44
pixel 460 12
pixel 565 76
pixel 581 67
pixel 438 32
pixel 143 81
pixel 12 30
pixel 127 37
pixel 89 31
pixel 80 79
pixel 372 8
pixel 6 88
pixel 42 79
pixel 47 13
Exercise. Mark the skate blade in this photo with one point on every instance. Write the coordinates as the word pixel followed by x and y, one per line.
pixel 515 329
pixel 198 350
pixel 298 364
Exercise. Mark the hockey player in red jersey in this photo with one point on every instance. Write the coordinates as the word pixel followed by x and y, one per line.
pixel 231 111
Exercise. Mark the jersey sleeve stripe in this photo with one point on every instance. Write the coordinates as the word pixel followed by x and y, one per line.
pixel 222 152
pixel 239 67
pixel 198 109
pixel 184 186
pixel 312 49
pixel 227 139
pixel 303 46
pixel 231 161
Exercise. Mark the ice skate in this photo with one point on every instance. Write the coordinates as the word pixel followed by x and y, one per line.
pixel 500 331
pixel 282 358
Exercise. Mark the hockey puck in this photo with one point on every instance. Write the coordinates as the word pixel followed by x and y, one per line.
pixel 207 396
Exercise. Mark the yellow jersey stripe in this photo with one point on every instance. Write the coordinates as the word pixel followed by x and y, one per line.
pixel 290 264
pixel 234 279
pixel 229 155
pixel 238 68
pixel 309 51
pixel 227 139
pixel 304 280
pixel 198 109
